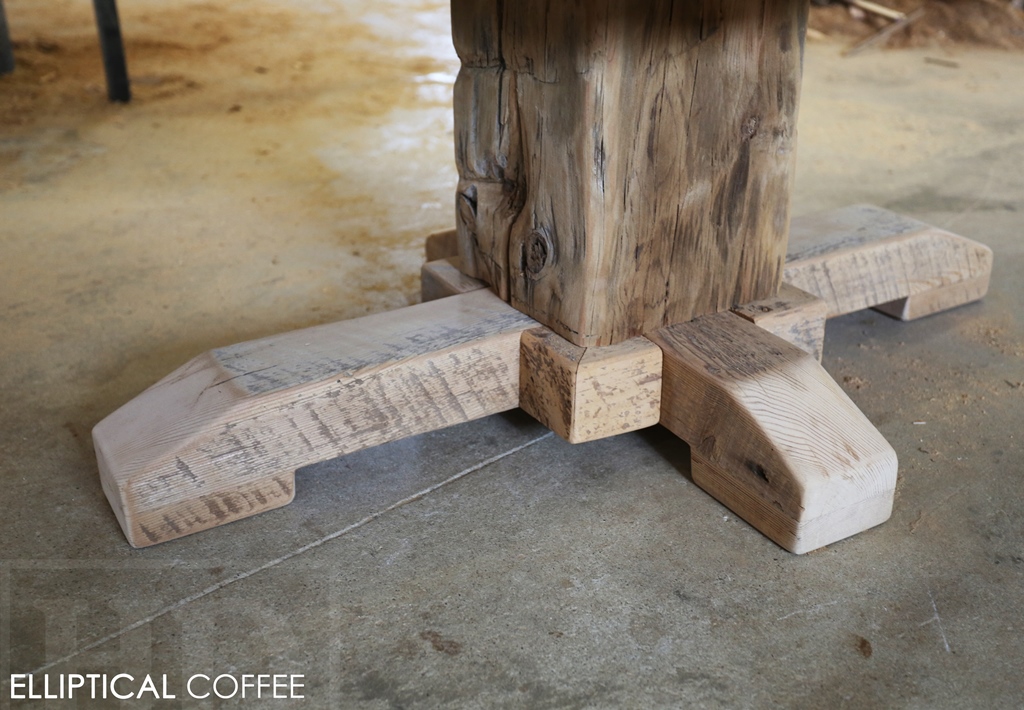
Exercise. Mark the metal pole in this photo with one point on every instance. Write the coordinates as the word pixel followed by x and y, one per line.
pixel 6 49
pixel 111 45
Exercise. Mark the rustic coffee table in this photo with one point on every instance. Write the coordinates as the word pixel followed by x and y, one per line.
pixel 623 256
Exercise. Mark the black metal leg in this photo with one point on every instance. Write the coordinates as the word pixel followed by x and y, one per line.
pixel 112 46
pixel 6 50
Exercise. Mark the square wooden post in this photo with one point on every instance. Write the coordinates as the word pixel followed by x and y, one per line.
pixel 626 165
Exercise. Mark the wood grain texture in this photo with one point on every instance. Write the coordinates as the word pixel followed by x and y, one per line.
pixel 795 316
pixel 772 436
pixel 863 256
pixel 220 438
pixel 488 150
pixel 626 165
pixel 585 394
pixel 442 245
pixel 443 278
pixel 935 300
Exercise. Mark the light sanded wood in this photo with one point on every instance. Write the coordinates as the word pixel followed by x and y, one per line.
pixel 220 438
pixel 938 299
pixel 773 437
pixel 583 394
pixel 863 256
pixel 442 245
pixel 795 316
pixel 626 165
pixel 443 278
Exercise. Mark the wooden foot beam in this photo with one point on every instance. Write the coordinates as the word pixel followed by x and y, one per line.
pixel 863 257
pixel 220 438
pixel 772 436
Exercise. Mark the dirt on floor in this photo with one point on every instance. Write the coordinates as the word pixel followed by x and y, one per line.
pixel 170 51
pixel 944 23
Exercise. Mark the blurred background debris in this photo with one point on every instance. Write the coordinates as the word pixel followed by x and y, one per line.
pixel 919 23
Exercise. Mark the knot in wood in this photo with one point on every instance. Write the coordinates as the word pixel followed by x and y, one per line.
pixel 750 127
pixel 536 252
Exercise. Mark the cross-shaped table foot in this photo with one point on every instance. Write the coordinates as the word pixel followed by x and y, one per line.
pixel 771 435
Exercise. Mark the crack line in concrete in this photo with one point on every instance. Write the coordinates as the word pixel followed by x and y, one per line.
pixel 284 558
pixel 937 620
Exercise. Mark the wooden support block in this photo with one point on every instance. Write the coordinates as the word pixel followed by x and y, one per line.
pixel 863 256
pixel 793 315
pixel 626 165
pixel 584 394
pixel 937 300
pixel 442 245
pixel 772 436
pixel 443 278
pixel 221 438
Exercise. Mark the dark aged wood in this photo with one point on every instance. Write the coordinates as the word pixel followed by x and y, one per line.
pixel 626 165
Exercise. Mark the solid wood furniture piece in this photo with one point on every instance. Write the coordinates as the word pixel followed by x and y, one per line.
pixel 620 259
pixel 111 47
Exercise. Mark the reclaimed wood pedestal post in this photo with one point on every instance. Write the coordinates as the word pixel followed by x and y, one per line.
pixel 620 259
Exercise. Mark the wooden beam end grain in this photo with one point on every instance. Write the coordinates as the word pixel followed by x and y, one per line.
pixel 585 394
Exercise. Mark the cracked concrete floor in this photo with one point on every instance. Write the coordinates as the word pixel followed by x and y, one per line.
pixel 279 169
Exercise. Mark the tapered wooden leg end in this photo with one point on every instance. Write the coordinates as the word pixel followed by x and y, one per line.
pixel 771 435
pixel 810 529
pixel 220 439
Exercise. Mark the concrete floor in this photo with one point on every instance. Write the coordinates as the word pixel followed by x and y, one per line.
pixel 279 169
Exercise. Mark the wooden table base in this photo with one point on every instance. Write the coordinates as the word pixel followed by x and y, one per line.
pixel 771 435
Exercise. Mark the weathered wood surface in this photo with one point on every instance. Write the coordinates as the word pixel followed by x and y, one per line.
pixel 626 165
pixel 220 438
pixel 772 436
pixel 585 394
pixel 443 278
pixel 864 256
pixel 795 316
